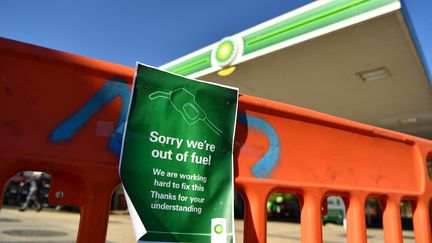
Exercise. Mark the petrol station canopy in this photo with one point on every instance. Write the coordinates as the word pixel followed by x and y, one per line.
pixel 358 60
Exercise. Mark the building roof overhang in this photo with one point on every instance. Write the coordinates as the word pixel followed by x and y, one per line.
pixel 314 56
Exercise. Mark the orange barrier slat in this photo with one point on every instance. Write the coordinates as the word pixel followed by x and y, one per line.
pixel 62 114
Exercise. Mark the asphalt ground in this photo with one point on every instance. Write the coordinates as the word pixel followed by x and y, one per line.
pixel 51 226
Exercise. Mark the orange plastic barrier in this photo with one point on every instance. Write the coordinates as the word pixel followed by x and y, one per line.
pixel 63 114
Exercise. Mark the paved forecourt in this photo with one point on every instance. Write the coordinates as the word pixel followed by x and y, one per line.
pixel 62 227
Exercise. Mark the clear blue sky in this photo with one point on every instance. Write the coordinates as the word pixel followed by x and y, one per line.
pixel 152 32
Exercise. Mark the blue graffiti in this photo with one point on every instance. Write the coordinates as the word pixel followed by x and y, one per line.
pixel 117 87
pixel 111 89
pixel 266 164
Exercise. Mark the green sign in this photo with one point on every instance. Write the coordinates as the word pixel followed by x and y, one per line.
pixel 177 162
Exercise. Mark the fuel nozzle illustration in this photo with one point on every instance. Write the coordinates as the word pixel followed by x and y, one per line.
pixel 184 102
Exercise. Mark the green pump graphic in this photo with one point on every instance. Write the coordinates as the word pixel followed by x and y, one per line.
pixel 184 102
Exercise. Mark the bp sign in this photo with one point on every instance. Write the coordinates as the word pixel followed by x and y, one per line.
pixel 177 163
pixel 226 51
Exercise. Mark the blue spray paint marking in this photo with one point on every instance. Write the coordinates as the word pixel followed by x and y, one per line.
pixel 117 87
pixel 266 164
pixel 111 89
